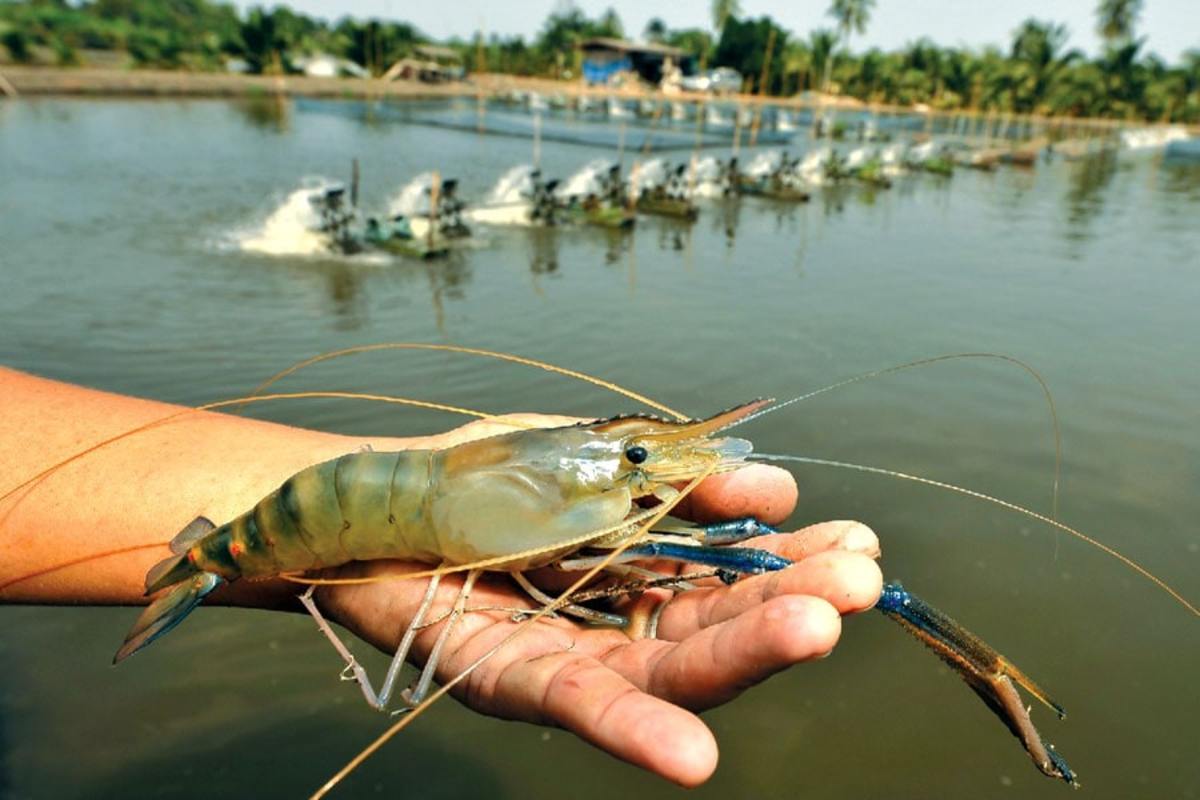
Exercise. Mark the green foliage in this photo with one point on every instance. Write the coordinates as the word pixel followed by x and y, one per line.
pixel 1035 73
pixel 743 46
pixel 377 45
pixel 656 30
pixel 851 15
pixel 723 11
pixel 16 41
pixel 1115 19
pixel 696 41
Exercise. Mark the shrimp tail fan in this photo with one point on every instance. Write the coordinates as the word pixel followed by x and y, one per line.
pixel 168 610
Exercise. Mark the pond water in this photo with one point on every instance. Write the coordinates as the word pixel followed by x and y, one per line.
pixel 122 225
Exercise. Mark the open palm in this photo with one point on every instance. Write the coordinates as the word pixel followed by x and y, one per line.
pixel 635 698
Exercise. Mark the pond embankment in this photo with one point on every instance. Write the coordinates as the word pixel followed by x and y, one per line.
pixel 97 81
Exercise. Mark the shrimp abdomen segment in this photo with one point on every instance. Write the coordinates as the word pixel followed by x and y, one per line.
pixel 357 507
pixel 382 497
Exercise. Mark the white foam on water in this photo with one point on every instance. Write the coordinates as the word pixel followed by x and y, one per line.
pixel 648 175
pixel 586 181
pixel 859 156
pixel 706 176
pixel 812 166
pixel 514 213
pixel 764 163
pixel 708 190
pixel 508 203
pixel 513 186
pixel 919 154
pixel 291 229
pixel 413 198
pixel 1151 138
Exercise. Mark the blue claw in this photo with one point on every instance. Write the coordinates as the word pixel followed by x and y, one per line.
pixel 742 560
pixel 992 676
pixel 737 530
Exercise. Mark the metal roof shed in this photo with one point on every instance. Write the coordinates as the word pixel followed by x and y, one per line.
pixel 603 58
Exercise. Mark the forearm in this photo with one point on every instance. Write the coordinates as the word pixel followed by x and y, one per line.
pixel 126 499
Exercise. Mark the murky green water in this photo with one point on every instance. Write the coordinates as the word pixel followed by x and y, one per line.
pixel 116 227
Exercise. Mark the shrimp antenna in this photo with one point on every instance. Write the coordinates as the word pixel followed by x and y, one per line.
pixel 239 401
pixel 257 396
pixel 1124 559
pixel 922 362
pixel 474 351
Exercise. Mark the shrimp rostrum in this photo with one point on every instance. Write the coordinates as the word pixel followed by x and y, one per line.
pixel 590 496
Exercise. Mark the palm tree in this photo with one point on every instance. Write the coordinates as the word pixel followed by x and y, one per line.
pixel 851 15
pixel 1115 22
pixel 1116 19
pixel 722 10
pixel 1079 93
pixel 797 61
pixel 821 43
pixel 1038 61
pixel 609 24
pixel 925 57
pixel 656 30
pixel 1124 77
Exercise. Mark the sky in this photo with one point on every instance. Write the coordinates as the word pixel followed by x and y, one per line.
pixel 1170 26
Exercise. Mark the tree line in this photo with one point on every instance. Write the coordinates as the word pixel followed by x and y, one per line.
pixel 1034 73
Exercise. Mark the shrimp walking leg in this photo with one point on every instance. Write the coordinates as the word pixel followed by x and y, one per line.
pixel 581 612
pixel 352 664
pixel 357 672
pixel 415 695
pixel 410 633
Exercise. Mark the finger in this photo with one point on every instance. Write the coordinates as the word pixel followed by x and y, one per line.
pixel 840 534
pixel 764 492
pixel 848 582
pixel 719 662
pixel 582 695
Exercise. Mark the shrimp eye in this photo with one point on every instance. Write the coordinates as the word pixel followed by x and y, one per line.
pixel 636 455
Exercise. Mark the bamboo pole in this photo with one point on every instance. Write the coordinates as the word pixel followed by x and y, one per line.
pixel 6 87
pixel 762 85
pixel 435 189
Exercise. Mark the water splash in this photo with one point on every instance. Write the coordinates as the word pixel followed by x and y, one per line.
pixel 514 186
pixel 707 177
pixel 764 163
pixel 291 229
pixel 413 198
pixel 588 180
pixel 510 200
pixel 648 175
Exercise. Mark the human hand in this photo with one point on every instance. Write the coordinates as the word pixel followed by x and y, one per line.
pixel 630 697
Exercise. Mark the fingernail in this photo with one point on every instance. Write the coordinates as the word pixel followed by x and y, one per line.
pixel 860 539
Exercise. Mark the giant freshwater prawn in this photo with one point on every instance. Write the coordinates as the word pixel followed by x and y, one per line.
pixel 591 498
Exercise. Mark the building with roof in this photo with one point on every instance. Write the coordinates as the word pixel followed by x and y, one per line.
pixel 429 63
pixel 604 59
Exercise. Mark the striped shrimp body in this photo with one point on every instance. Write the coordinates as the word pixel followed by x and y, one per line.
pixel 509 502
pixel 566 497
pixel 513 502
